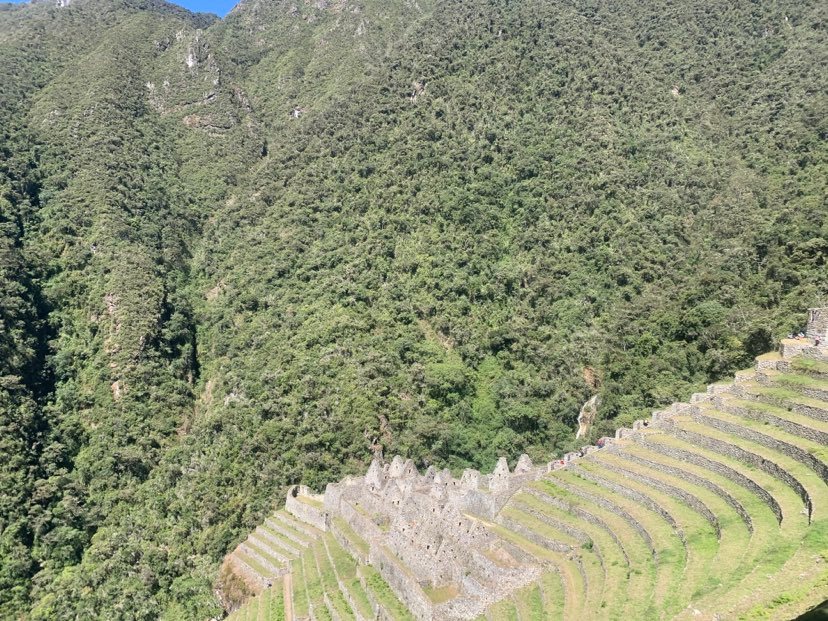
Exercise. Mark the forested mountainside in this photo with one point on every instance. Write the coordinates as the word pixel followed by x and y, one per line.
pixel 241 253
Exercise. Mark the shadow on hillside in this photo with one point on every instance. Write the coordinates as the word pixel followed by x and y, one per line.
pixel 820 613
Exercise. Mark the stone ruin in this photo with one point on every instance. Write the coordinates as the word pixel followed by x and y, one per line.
pixel 452 548
pixel 428 531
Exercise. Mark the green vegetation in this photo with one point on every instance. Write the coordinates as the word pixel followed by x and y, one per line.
pixel 481 213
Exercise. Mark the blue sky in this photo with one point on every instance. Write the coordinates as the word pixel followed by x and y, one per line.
pixel 219 7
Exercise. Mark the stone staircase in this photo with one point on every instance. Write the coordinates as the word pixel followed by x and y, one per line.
pixel 712 509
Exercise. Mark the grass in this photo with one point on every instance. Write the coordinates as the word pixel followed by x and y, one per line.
pixel 820 451
pixel 276 605
pixel 668 547
pixel 801 380
pixel 616 569
pixel 761 408
pixel 529 603
pixel 253 563
pixel 573 584
pixel 262 548
pixel 504 610
pixel 810 365
pixel 346 568
pixel 590 561
pixel 788 538
pixel 779 395
pixel 279 542
pixel 809 480
pixel 358 542
pixel 300 590
pixel 731 560
pixel 552 595
pixel 383 594
pixel 441 594
pixel 313 502
pixel 330 584
pixel 296 538
pixel 701 544
pixel 642 570
pixel 314 585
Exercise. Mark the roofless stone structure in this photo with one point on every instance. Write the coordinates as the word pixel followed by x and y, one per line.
pixel 712 509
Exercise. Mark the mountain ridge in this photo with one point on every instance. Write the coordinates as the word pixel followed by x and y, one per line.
pixel 275 243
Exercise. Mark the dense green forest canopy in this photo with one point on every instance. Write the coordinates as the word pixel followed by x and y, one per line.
pixel 241 253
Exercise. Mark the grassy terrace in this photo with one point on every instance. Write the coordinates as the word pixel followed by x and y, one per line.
pixel 300 589
pixel 529 603
pixel 441 594
pixel 819 451
pixel 809 365
pixel 788 500
pixel 641 569
pixel 701 544
pixel 382 593
pixel 639 531
pixel 552 594
pixel 730 561
pixel 764 521
pixel 253 563
pixel 668 546
pixel 280 543
pixel 573 583
pixel 780 395
pixel 807 477
pixel 785 545
pixel 313 502
pixel 358 542
pixel 616 569
pixel 315 587
pixel 766 411
pixel 298 537
pixel 801 380
pixel 261 547
pixel 504 610
pixel 269 605
pixel 346 569
pixel 306 531
pixel 590 560
pixel 328 578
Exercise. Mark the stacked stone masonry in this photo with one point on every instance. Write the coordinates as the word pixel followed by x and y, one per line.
pixel 636 526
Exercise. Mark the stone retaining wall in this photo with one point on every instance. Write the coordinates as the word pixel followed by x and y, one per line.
pixel 689 499
pixel 788 426
pixel 717 467
pixel 693 479
pixel 586 516
pixel 633 495
pixel 303 510
pixel 402 583
pixel 740 454
pixel 610 506
pixel 790 450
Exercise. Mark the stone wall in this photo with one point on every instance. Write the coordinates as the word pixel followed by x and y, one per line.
pixel 402 582
pixel 817 324
pixel 693 479
pixel 740 454
pixel 304 505
pixel 714 466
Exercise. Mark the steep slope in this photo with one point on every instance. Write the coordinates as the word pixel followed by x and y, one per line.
pixel 713 509
pixel 242 253
pixel 527 192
